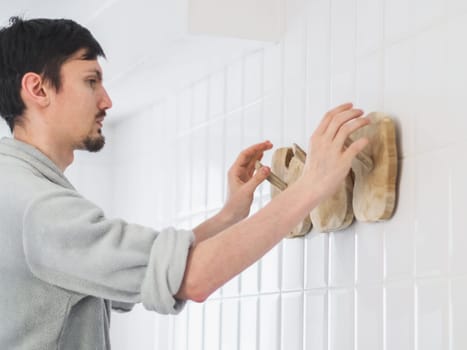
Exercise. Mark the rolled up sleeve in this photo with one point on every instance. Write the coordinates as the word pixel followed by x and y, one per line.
pixel 68 242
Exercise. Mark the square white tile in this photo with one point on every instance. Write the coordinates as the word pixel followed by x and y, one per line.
pixel 232 287
pixel 217 93
pixel 273 68
pixel 397 19
pixel 180 331
pixel 212 325
pixel 317 258
pixel 400 311
pixel 318 40
pixel 316 320
pixel 369 318
pixel 318 101
pixel 250 280
pixel 272 122
pixel 233 137
pixel 199 169
pixel 456 71
pixel 248 323
pixel 195 326
pixel 229 331
pixel 459 313
pixel 252 132
pixel 430 83
pixel 432 315
pixel 343 29
pixel 234 87
pixel 369 250
pixel 429 12
pixel 343 87
pixel 369 80
pixel 456 8
pixel 216 173
pixel 270 270
pixel 295 41
pixel 369 26
pixel 432 213
pixel 292 321
pixel 253 79
pixel 200 101
pixel 292 264
pixel 269 322
pixel 342 258
pixel 294 110
pixel 184 109
pixel 184 169
pixel 399 93
pixel 341 319
pixel 458 194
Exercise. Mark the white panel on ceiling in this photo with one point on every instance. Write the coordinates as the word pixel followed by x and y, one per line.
pixel 248 19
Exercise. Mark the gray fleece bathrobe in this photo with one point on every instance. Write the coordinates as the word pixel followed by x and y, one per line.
pixel 64 265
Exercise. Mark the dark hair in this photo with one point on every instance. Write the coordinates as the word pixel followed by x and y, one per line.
pixel 40 46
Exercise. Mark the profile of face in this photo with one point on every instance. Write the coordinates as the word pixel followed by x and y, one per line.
pixel 80 104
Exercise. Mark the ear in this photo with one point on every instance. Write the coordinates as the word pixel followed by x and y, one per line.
pixel 34 90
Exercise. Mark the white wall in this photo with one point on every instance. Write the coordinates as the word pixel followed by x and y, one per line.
pixel 4 130
pixel 394 285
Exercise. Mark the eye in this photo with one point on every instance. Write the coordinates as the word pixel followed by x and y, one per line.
pixel 92 82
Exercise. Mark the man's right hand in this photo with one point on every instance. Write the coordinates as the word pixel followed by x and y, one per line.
pixel 328 161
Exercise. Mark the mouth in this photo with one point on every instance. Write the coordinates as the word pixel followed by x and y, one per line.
pixel 100 118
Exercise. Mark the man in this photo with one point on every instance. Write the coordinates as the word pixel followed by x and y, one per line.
pixel 63 263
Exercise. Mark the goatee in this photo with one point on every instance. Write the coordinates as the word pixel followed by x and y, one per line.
pixel 94 144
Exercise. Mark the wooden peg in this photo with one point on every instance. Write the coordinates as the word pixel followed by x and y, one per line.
pixel 273 178
pixel 285 165
pixel 374 194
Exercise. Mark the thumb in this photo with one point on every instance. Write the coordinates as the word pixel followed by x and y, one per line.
pixel 259 176
pixel 356 147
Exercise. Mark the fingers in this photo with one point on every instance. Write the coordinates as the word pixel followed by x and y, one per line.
pixel 346 130
pixel 355 148
pixel 252 153
pixel 244 165
pixel 259 176
pixel 340 119
pixel 323 126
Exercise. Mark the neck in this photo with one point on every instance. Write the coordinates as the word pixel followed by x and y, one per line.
pixel 60 154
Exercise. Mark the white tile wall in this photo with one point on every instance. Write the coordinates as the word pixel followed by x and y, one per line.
pixel 316 319
pixel 432 329
pixel 369 318
pixel 212 322
pixel 269 322
pixel 292 310
pixel 394 285
pixel 248 323
pixel 341 332
pixel 230 324
pixel 400 315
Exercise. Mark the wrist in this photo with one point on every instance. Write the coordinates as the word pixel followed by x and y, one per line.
pixel 309 190
pixel 225 217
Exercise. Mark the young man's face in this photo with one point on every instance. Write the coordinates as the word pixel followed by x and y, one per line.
pixel 80 104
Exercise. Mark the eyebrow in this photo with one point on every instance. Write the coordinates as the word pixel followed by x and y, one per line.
pixel 96 72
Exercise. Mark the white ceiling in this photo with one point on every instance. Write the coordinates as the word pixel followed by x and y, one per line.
pixel 140 39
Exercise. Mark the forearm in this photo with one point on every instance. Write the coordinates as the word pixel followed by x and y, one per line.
pixel 212 226
pixel 216 260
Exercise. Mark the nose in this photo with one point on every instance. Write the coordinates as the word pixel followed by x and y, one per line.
pixel 105 102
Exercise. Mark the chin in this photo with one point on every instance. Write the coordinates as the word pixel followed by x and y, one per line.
pixel 94 144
